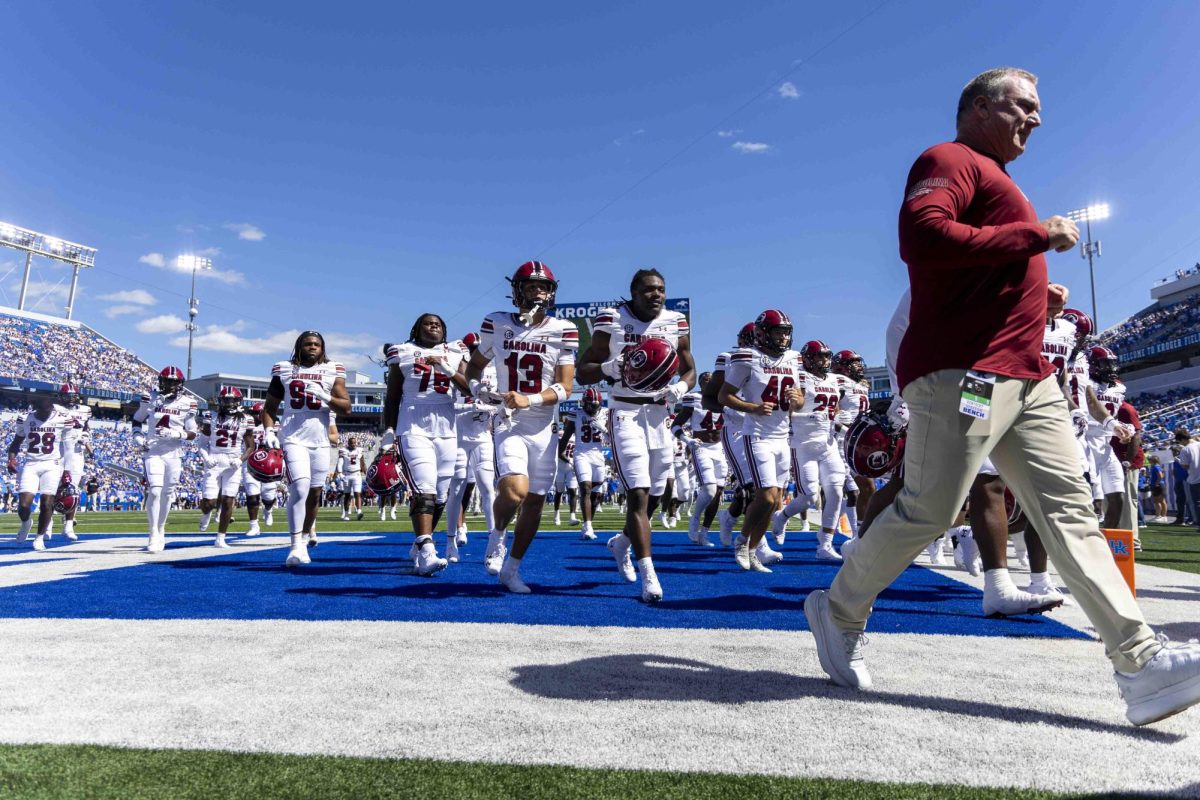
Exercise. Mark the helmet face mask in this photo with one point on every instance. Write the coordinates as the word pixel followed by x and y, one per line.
pixel 170 380
pixel 70 394
pixel 533 287
pixel 591 401
pixel 1102 365
pixel 745 337
pixel 850 364
pixel 773 332
pixel 816 357
pixel 229 400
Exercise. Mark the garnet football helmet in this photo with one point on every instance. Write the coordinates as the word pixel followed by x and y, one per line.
pixel 383 476
pixel 531 272
pixel 67 497
pixel 1012 508
pixel 850 364
pixel 266 464
pixel 170 380
pixel 1082 322
pixel 745 336
pixel 816 356
pixel 230 399
pixel 471 340
pixel 873 448
pixel 768 321
pixel 1102 365
pixel 650 366
pixel 592 401
pixel 70 394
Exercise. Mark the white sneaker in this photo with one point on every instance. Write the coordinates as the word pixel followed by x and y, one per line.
pixel 428 561
pixel 741 551
pixel 1048 590
pixel 997 605
pixel 298 555
pixel 727 522
pixel 157 543
pixel 493 560
pixel 702 538
pixel 69 530
pixel 806 527
pixel 510 578
pixel 966 555
pixel 779 523
pixel 345 517
pixel 39 542
pixel 587 534
pixel 558 519
pixel 620 547
pixel 1168 684
pixel 460 537
pixel 662 517
pixel 221 543
pixel 574 520
pixel 393 514
pixel 934 550
pixel 254 529
pixel 825 552
pixel 755 564
pixel 451 549
pixel 840 651
pixel 673 521
pixel 382 514
pixel 651 590
pixel 269 517
pixel 767 556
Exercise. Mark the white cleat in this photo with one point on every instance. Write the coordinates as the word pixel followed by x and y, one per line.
pixel 493 561
pixel 39 542
pixel 510 578
pixel 1168 684
pixel 69 530
pixel 825 552
pixel 573 520
pixel 1048 590
pixel 428 561
pixel 1016 603
pixel 966 555
pixel 157 543
pixel 693 531
pixel 779 523
pixel 651 589
pixel 221 543
pixel 766 556
pixel 934 551
pixel 461 536
pixel 741 551
pixel 254 530
pixel 393 514
pixel 345 517
pixel 382 514
pixel 298 555
pixel 587 534
pixel 755 564
pixel 558 519
pixel 840 652
pixel 451 549
pixel 702 538
pixel 269 518
pixel 727 521
pixel 620 546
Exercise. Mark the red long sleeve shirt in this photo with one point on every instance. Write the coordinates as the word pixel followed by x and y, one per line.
pixel 973 247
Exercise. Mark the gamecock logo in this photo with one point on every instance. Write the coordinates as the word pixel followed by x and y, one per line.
pixel 638 359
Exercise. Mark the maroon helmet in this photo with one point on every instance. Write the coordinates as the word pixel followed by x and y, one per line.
pixel 745 337
pixel 66 499
pixel 266 464
pixel 471 340
pixel 70 393
pixel 170 379
pixel 650 366
pixel 848 363
pixel 770 320
pixel 816 356
pixel 530 272
pixel 1102 364
pixel 1012 508
pixel 1084 326
pixel 592 400
pixel 873 448
pixel 230 398
pixel 383 476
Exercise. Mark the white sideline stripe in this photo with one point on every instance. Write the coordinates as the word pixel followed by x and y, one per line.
pixel 86 556
pixel 1047 710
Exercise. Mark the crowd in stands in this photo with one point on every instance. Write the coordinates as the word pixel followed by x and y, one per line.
pixel 42 351
pixel 1154 326
pixel 1162 413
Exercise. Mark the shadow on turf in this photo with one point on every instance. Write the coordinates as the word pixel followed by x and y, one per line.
pixel 656 677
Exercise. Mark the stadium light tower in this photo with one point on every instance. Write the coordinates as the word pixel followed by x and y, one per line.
pixel 195 263
pixel 33 244
pixel 1090 249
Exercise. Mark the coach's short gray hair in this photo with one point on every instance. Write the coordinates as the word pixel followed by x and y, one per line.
pixel 989 84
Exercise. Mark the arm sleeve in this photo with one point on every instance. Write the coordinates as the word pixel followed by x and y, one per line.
pixel 940 188
pixel 487 335
pixel 143 410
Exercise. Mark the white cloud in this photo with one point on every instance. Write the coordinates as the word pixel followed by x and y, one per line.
pixel 136 296
pixel 352 349
pixel 751 147
pixel 229 276
pixel 165 323
pixel 729 134
pixel 116 311
pixel 42 291
pixel 627 138
pixel 788 91
pixel 246 231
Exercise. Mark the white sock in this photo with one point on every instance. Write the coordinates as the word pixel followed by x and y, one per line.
pixel 205 516
pixel 852 518
pixel 798 505
pixel 645 566
pixel 164 508
pixel 1039 580
pixel 826 538
pixel 511 565
pixel 153 499
pixel 999 582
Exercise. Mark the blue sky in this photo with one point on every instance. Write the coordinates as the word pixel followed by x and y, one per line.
pixel 348 168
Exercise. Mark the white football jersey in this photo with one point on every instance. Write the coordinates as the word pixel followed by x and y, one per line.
pixel 1110 395
pixel 591 433
pixel 762 378
pixel 44 439
pixel 625 332
pixel 731 417
pixel 427 396
pixel 74 438
pixel 1057 344
pixel 176 412
pixel 350 461
pixel 226 433
pixel 701 420
pixel 855 400
pixel 526 357
pixel 1078 380
pixel 473 419
pixel 305 419
pixel 822 398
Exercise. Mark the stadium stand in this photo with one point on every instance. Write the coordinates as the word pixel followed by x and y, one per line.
pixel 1153 325
pixel 1162 413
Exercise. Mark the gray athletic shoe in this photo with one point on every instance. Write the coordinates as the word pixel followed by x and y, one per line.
pixel 1168 684
pixel 840 651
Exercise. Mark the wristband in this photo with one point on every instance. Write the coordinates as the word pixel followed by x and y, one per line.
pixel 559 392
pixel 536 399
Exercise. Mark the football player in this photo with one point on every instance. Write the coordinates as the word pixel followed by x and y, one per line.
pixel 587 429
pixel 225 434
pixel 765 383
pixel 731 438
pixel 700 431
pixel 1108 472
pixel 851 371
pixel 171 417
pixel 76 446
pixel 258 494
pixel 350 467
pixel 565 484
pixel 474 463
pixel 40 434
pixel 534 358
pixel 307 388
pixel 422 375
pixel 817 464
pixel 642 445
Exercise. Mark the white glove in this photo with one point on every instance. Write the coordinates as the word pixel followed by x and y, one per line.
pixel 1124 432
pixel 483 393
pixel 139 440
pixel 389 439
pixel 442 365
pixel 897 413
pixel 676 391
pixel 318 391
pixel 271 440
pixel 170 433
pixel 612 367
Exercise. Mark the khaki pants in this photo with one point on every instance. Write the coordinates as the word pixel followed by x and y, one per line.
pixel 1129 507
pixel 1030 441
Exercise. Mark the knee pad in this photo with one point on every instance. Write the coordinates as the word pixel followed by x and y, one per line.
pixel 421 504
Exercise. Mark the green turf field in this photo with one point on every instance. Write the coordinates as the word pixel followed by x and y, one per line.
pixel 1170 547
pixel 69 771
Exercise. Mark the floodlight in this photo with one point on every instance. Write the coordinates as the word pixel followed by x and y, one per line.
pixel 33 244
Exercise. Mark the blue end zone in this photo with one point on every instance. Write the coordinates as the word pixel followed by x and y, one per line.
pixel 574 583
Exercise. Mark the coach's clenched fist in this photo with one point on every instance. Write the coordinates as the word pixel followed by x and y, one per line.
pixel 1063 233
